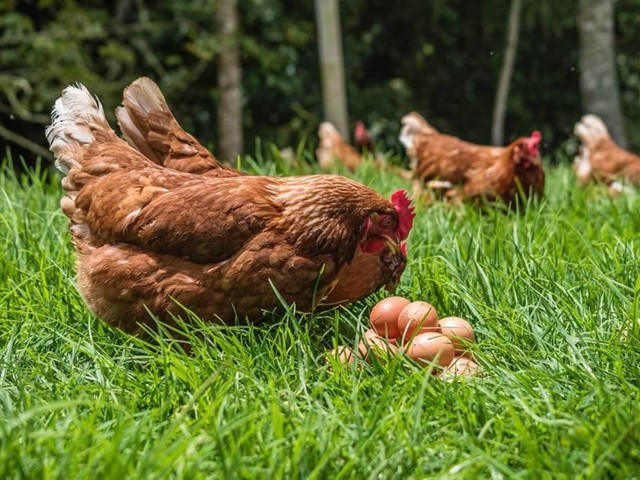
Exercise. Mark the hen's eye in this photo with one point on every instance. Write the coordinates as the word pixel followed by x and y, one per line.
pixel 387 222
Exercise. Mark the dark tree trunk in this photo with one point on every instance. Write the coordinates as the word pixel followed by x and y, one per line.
pixel 598 75
pixel 229 83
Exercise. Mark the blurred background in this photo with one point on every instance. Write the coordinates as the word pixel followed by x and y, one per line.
pixel 258 65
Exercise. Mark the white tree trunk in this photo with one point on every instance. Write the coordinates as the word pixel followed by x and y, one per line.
pixel 597 59
pixel 334 97
pixel 504 84
pixel 229 83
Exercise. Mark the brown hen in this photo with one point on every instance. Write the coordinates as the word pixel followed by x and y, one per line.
pixel 154 239
pixel 333 150
pixel 470 171
pixel 600 159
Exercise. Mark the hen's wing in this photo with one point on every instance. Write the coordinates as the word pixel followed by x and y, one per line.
pixel 115 194
pixel 202 219
pixel 148 125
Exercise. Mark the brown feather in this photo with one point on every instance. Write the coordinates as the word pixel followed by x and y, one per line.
pixel 148 124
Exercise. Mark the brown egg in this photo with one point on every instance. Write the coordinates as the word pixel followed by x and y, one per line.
pixel 461 367
pixel 371 333
pixel 342 354
pixel 384 316
pixel 429 346
pixel 415 318
pixel 379 348
pixel 460 332
pixel 348 355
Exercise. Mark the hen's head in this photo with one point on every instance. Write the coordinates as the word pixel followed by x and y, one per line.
pixel 361 136
pixel 389 227
pixel 527 151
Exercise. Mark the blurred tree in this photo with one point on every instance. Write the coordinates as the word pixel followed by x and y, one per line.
pixel 598 75
pixel 628 63
pixel 229 82
pixel 439 57
pixel 280 72
pixel 504 84
pixel 334 97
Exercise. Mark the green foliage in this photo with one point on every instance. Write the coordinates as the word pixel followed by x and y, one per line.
pixel 441 58
pixel 553 294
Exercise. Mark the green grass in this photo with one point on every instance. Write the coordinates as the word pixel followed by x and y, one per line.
pixel 549 292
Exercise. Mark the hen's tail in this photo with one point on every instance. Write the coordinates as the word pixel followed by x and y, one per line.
pixel 413 124
pixel 77 124
pixel 77 120
pixel 148 125
pixel 590 130
pixel 145 119
pixel 328 135
pixel 330 140
pixel 582 165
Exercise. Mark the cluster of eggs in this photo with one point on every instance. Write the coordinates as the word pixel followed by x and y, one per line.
pixel 402 327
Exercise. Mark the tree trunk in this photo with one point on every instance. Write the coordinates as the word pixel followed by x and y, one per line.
pixel 597 59
pixel 229 83
pixel 504 84
pixel 334 98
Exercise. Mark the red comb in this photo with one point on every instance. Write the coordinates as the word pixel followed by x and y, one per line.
pixel 361 134
pixel 533 142
pixel 402 204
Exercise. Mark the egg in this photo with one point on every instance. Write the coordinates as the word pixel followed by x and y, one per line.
pixel 379 348
pixel 342 354
pixel 372 334
pixel 415 318
pixel 461 367
pixel 384 316
pixel 459 331
pixel 426 347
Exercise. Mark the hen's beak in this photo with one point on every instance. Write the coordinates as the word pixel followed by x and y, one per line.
pixel 392 244
pixel 396 247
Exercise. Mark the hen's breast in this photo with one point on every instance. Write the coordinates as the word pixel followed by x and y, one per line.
pixel 365 275
pixel 122 283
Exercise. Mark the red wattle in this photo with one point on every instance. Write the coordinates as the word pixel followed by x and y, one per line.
pixel 373 245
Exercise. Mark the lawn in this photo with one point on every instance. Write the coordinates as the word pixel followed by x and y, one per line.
pixel 553 294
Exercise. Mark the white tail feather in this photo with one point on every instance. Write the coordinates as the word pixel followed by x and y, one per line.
pixel 412 124
pixel 590 129
pixel 582 165
pixel 328 134
pixel 75 118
